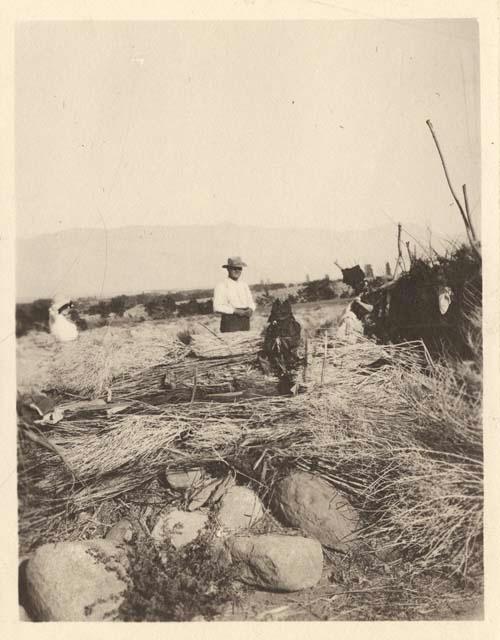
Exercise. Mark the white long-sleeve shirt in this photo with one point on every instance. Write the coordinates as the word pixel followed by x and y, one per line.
pixel 232 294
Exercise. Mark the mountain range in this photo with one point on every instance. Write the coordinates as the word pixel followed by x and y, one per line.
pixel 99 262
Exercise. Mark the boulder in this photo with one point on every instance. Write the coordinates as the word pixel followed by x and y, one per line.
pixel 304 501
pixel 202 496
pixel 178 527
pixel 211 492
pixel 277 562
pixel 239 509
pixel 76 581
pixel 227 483
pixel 182 480
pixel 121 531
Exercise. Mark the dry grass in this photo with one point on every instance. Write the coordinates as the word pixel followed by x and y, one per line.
pixel 88 366
pixel 403 440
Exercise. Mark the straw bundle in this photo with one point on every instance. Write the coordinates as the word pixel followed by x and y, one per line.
pixel 404 441
pixel 89 365
pixel 214 345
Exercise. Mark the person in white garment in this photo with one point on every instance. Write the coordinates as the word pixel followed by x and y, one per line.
pixel 233 299
pixel 60 325
pixel 351 323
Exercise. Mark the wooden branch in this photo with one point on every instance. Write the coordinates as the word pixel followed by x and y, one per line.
pixel 337 265
pixel 462 212
pixel 40 439
pixel 195 384
pixel 467 211
pixel 399 262
pixel 306 355
pixel 324 359
pixel 409 251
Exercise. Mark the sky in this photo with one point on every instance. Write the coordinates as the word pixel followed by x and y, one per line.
pixel 272 124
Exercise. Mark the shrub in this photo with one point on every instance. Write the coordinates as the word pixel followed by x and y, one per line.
pixel 171 585
pixel 34 315
pixel 118 305
pixel 160 307
pixel 315 290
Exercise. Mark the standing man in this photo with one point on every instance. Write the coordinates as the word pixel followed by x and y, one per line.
pixel 233 300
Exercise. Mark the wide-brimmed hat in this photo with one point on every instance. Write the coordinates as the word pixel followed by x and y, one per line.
pixel 235 261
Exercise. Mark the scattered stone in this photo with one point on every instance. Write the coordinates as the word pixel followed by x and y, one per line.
pixel 220 551
pixel 211 492
pixel 227 483
pixel 202 496
pixel 239 509
pixel 178 527
pixel 182 480
pixel 309 503
pixel 277 562
pixel 122 531
pixel 77 581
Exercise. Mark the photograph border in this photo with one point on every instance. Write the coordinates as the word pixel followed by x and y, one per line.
pixel 486 12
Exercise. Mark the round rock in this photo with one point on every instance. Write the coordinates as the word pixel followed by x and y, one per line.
pixel 309 503
pixel 121 531
pixel 182 480
pixel 77 581
pixel 239 509
pixel 277 562
pixel 178 527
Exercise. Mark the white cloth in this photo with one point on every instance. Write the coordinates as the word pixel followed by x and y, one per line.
pixel 445 295
pixel 350 327
pixel 61 328
pixel 232 294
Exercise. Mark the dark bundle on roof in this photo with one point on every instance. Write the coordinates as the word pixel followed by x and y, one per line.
pixel 353 276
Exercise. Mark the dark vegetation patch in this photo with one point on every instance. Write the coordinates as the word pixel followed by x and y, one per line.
pixel 177 585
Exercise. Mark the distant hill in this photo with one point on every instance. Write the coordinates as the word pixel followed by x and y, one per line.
pixel 83 262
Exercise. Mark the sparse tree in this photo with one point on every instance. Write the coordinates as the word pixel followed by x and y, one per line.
pixel 117 305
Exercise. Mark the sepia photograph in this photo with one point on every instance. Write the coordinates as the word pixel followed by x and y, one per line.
pixel 248 320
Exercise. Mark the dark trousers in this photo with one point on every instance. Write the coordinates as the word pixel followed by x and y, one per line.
pixel 232 322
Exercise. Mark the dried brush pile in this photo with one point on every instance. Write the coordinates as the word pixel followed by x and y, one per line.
pixel 409 308
pixel 88 366
pixel 396 431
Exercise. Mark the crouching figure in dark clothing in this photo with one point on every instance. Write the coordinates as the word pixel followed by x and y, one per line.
pixel 281 343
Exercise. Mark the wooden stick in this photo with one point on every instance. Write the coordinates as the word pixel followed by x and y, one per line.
pixel 337 265
pixel 399 261
pixel 40 439
pixel 324 360
pixel 195 380
pixel 462 212
pixel 306 347
pixel 409 251
pixel 467 211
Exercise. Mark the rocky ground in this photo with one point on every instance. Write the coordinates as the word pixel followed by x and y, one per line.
pixel 214 552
